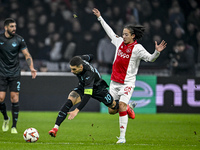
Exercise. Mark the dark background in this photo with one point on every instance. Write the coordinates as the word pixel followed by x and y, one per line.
pixel 48 93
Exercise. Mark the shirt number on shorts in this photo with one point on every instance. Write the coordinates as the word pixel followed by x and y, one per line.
pixel 18 85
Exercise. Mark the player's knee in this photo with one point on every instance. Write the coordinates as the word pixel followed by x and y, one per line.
pixel 74 97
pixel 2 99
pixel 14 99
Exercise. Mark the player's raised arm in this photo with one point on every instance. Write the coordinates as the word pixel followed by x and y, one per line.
pixel 29 61
pixel 105 26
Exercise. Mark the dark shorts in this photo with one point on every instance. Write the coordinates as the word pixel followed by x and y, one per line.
pixel 12 82
pixel 100 93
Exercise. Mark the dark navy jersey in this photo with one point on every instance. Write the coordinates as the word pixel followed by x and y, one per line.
pixel 9 55
pixel 89 78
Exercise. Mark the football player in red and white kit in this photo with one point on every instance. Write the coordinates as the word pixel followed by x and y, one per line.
pixel 125 67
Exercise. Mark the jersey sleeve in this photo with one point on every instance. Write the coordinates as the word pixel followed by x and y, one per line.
pixel 22 44
pixel 145 55
pixel 89 82
pixel 115 38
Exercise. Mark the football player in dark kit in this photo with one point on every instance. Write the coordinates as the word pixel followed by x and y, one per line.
pixel 90 85
pixel 10 46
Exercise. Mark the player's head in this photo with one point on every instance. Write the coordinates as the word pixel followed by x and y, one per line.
pixel 10 26
pixel 76 65
pixel 132 33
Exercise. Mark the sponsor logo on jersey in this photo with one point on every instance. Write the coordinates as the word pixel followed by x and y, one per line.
pixel 122 54
pixel 1 43
pixel 14 44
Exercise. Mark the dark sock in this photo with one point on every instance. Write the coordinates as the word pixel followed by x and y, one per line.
pixel 3 110
pixel 15 112
pixel 63 112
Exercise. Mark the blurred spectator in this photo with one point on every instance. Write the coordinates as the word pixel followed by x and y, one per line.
pixel 88 18
pixel 68 47
pixel 158 10
pixel 105 55
pixel 142 5
pixel 38 21
pixel 147 39
pixel 191 31
pixel 188 5
pixel 55 15
pixel 56 46
pixel 168 35
pixel 21 26
pixel 179 34
pixel 132 13
pixel 33 42
pixel 182 61
pixel 194 17
pixel 176 17
pixel 157 27
pixel 197 46
pixel 116 15
pixel 86 45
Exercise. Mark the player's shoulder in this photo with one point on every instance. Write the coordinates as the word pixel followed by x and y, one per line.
pixel 138 45
pixel 117 39
pixel 18 36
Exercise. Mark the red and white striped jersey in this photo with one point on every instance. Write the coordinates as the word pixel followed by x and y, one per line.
pixel 127 57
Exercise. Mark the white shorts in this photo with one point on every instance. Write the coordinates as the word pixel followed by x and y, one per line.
pixel 121 92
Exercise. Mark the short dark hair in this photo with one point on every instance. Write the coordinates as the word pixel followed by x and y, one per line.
pixel 76 61
pixel 180 43
pixel 138 30
pixel 8 21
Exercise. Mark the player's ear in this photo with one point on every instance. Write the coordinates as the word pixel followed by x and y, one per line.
pixel 81 66
pixel 133 36
pixel 5 27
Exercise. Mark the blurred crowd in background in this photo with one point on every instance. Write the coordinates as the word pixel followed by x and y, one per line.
pixel 57 30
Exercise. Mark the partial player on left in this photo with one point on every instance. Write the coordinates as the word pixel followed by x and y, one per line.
pixel 10 46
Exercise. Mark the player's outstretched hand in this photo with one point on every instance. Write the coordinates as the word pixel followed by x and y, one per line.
pixel 73 114
pixel 161 46
pixel 96 12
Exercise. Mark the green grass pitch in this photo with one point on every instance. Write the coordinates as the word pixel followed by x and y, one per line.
pixel 96 131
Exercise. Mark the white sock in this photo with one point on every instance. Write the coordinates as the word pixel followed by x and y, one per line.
pixel 123 121
pixel 56 126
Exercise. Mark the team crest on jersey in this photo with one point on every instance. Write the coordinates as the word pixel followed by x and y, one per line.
pixel 14 44
pixel 128 50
